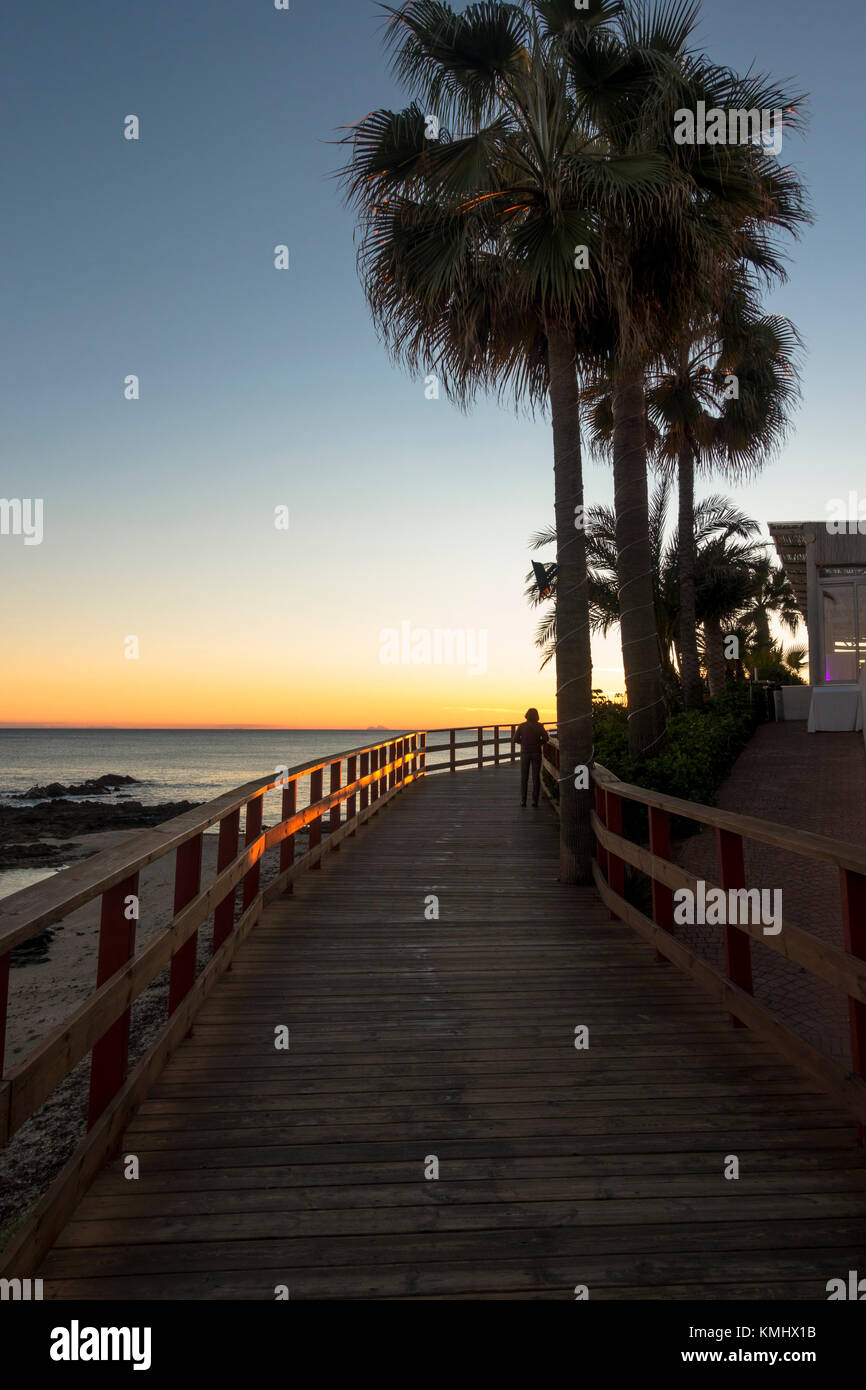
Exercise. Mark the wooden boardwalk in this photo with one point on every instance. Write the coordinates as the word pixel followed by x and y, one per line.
pixel 414 1038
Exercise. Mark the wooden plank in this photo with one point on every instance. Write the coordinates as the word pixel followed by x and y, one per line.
pixel 455 1037
pixel 845 1089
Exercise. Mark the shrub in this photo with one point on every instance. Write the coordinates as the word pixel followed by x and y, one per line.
pixel 701 748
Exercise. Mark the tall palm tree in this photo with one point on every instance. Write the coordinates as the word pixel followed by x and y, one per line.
pixel 725 203
pixel 468 256
pixel 721 402
pixel 566 144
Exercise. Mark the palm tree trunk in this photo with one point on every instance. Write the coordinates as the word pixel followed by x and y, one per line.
pixel 573 651
pixel 640 644
pixel 714 653
pixel 690 667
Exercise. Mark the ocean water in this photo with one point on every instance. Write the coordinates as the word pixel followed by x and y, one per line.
pixel 173 764
pixel 169 764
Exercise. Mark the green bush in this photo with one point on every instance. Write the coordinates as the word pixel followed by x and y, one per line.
pixel 701 748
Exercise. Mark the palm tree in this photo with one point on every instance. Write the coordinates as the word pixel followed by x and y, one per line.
pixel 736 595
pixel 719 401
pixel 721 209
pixel 468 259
pixel 727 554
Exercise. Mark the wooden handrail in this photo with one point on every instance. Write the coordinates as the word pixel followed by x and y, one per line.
pixel 832 964
pixel 844 970
pixel 374 772
pixel 805 842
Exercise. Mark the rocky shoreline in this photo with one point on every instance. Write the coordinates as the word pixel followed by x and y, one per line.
pixel 29 834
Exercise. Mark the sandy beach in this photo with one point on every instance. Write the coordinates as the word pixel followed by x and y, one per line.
pixel 46 990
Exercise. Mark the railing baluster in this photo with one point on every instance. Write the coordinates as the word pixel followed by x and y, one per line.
pixel 4 1004
pixel 392 758
pixel 514 743
pixel 110 1057
pixel 365 772
pixel 334 814
pixel 615 866
pixel 287 848
pixel 187 882
pixel 495 745
pixel 453 750
pixel 351 776
pixel 252 831
pixel 227 850
pixel 738 946
pixel 480 747
pixel 316 826
pixel 601 812
pixel 422 761
pixel 853 887
pixel 5 1086
pixel 663 897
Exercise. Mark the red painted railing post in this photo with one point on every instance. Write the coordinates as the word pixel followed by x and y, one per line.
pixel 480 747
pixel 615 866
pixel 453 743
pixel 316 826
pixel 187 882
pixel 252 831
pixel 227 850
pixel 351 776
pixel 110 1056
pixel 365 772
pixel 853 887
pixel 287 848
pixel 663 897
pixel 4 1004
pixel 334 814
pixel 738 946
pixel 601 812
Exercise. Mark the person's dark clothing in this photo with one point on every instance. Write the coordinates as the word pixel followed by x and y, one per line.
pixel 532 738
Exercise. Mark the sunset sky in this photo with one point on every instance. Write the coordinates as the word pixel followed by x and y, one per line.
pixel 263 389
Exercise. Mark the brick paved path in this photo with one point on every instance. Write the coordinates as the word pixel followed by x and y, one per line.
pixel 813 782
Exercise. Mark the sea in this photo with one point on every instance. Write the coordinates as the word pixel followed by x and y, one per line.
pixel 168 764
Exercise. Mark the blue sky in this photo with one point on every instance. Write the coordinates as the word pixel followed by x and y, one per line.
pixel 260 387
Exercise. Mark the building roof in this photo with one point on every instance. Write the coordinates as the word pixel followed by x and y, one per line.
pixel 790 541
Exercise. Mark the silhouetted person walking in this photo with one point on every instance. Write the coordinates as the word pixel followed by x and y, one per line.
pixel 532 737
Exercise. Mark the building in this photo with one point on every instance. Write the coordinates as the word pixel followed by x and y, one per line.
pixel 828 574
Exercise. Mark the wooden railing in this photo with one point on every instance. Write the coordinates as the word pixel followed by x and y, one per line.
pixel 844 969
pixel 362 779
